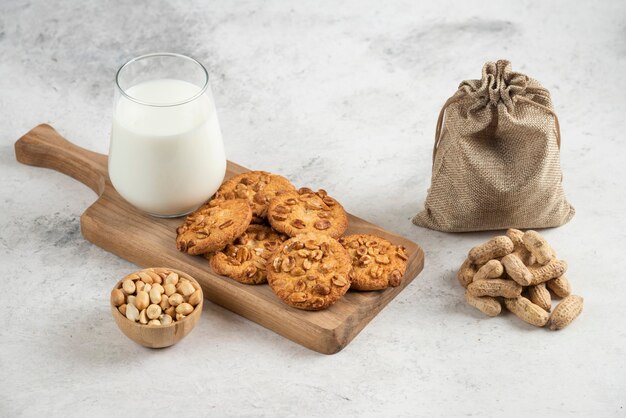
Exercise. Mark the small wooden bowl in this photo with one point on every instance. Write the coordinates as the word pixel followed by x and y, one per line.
pixel 159 336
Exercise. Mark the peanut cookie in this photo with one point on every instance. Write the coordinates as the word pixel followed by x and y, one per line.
pixel 305 211
pixel 245 259
pixel 309 271
pixel 376 263
pixel 258 187
pixel 213 226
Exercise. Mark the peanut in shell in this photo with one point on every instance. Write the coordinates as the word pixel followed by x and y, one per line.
pixel 539 247
pixel 527 311
pixel 515 235
pixel 566 311
pixel 494 248
pixel 492 269
pixel 519 249
pixel 540 296
pixel 516 269
pixel 552 270
pixel 486 304
pixel 495 287
pixel 560 286
pixel 466 273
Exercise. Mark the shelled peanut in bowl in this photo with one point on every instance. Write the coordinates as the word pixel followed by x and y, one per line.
pixel 156 307
pixel 521 271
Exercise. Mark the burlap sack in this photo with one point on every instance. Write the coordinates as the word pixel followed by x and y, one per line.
pixel 496 157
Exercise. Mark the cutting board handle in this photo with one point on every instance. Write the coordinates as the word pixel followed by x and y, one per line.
pixel 43 146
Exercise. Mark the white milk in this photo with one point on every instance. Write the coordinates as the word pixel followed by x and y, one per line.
pixel 166 160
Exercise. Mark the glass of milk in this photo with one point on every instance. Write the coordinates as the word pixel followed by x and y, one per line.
pixel 166 156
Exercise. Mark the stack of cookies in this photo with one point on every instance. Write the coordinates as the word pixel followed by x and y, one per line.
pixel 259 229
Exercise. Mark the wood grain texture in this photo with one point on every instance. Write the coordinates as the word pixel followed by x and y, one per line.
pixel 116 226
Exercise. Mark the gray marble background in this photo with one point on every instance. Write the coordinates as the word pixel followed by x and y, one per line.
pixel 340 95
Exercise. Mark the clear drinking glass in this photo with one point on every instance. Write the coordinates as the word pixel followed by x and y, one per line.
pixel 166 155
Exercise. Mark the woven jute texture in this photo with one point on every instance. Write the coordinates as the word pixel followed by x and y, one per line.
pixel 496 161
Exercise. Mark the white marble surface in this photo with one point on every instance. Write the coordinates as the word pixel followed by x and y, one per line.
pixel 340 95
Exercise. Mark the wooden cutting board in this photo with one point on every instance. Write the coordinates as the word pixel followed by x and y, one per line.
pixel 116 226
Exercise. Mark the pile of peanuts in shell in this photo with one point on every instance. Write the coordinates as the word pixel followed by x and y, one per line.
pixel 521 271
pixel 156 296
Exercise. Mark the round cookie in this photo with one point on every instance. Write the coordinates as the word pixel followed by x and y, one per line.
pixel 376 263
pixel 309 271
pixel 213 226
pixel 245 259
pixel 258 187
pixel 305 211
